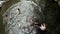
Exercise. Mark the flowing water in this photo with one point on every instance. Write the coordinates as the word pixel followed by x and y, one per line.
pixel 19 21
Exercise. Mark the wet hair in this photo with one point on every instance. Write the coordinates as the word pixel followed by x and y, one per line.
pixel 6 15
pixel 38 20
pixel 35 19
pixel 18 9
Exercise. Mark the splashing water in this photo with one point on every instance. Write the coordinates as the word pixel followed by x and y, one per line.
pixel 20 23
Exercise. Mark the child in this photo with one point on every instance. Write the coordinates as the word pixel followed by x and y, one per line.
pixel 41 28
pixel 19 10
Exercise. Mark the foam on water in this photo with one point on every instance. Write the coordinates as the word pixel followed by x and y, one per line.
pixel 20 23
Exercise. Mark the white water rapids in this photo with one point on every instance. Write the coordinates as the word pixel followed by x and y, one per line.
pixel 20 23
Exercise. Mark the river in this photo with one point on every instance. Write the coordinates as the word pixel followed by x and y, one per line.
pixel 20 17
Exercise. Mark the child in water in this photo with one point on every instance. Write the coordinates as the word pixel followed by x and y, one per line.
pixel 41 28
pixel 19 10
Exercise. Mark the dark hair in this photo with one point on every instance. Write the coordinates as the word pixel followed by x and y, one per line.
pixel 36 20
pixel 6 15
